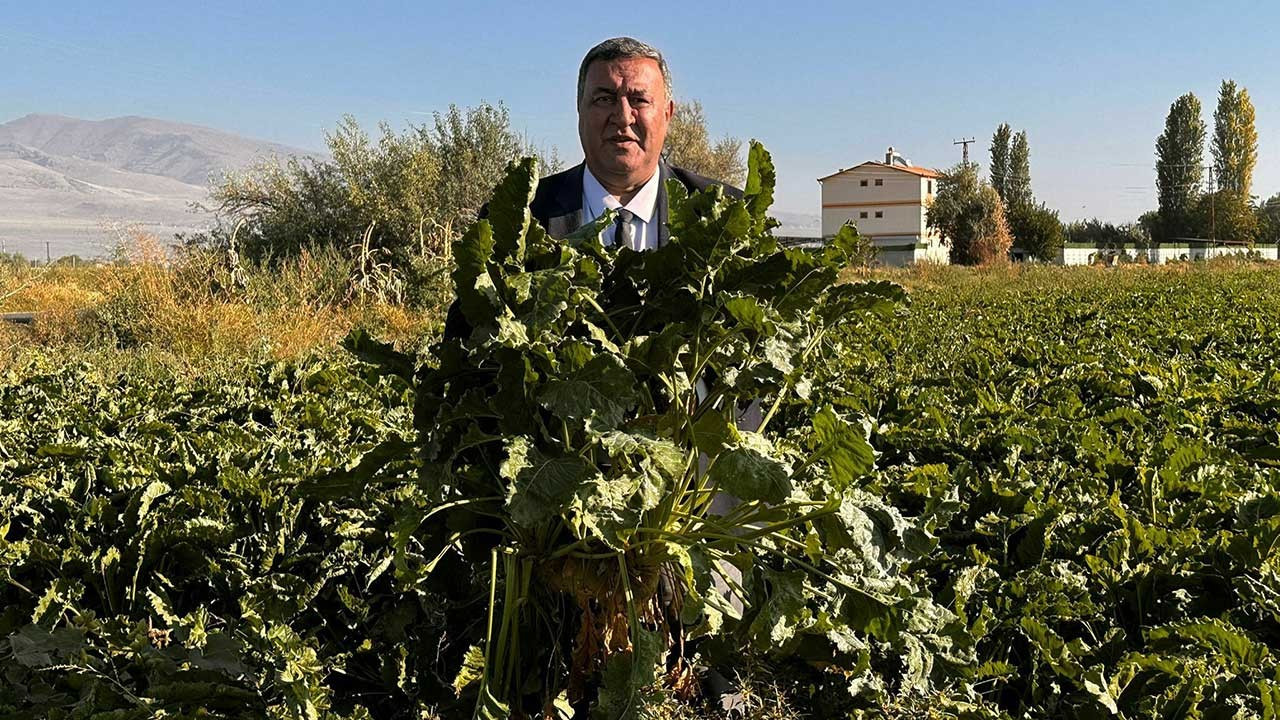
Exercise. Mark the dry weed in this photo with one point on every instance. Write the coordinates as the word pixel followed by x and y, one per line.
pixel 178 304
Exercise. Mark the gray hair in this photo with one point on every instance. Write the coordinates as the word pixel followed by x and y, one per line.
pixel 620 48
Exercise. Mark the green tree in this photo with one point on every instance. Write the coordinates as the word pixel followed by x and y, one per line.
pixel 1000 159
pixel 1105 236
pixel 387 186
pixel 473 148
pixel 689 146
pixel 1037 230
pixel 1227 216
pixel 1018 184
pixel 1235 140
pixel 1136 234
pixel 970 216
pixel 400 197
pixel 1179 158
pixel 1149 221
pixel 1269 221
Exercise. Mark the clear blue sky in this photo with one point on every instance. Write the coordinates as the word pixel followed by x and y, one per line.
pixel 823 85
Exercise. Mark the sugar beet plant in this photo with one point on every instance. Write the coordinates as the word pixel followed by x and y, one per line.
pixel 575 443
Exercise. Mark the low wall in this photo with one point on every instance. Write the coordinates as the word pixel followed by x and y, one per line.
pixel 1084 255
pixel 936 253
pixel 1076 255
pixel 909 253
pixel 896 258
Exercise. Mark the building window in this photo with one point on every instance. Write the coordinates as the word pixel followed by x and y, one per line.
pixel 930 187
pixel 879 213
pixel 863 183
pixel 862 215
pixel 879 182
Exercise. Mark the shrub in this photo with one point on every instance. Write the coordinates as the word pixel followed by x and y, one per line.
pixel 689 146
pixel 1107 236
pixel 400 197
pixel 1037 230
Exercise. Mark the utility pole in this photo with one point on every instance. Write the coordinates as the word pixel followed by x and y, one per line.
pixel 965 142
pixel 46 252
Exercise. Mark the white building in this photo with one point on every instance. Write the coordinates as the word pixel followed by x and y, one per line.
pixel 887 202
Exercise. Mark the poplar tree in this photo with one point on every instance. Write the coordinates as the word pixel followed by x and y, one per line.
pixel 1179 154
pixel 1000 158
pixel 1017 186
pixel 1235 140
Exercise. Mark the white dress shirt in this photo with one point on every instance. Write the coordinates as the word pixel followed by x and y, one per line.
pixel 595 200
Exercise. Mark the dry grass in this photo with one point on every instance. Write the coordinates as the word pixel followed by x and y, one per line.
pixel 193 309
pixel 186 310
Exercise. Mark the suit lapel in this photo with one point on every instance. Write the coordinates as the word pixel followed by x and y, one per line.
pixel 566 214
pixel 664 174
pixel 559 226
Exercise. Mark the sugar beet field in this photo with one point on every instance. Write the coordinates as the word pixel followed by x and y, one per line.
pixel 1048 493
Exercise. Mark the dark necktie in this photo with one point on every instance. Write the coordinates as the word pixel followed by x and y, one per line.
pixel 623 232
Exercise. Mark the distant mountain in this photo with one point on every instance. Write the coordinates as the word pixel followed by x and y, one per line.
pixel 73 183
pixel 69 181
pixel 189 153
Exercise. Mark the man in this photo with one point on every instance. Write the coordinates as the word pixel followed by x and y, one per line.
pixel 624 110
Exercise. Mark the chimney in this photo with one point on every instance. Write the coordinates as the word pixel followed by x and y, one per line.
pixel 888 157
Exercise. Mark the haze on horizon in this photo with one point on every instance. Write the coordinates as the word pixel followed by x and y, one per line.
pixel 824 86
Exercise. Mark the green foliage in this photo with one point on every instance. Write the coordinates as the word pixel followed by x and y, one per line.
pixel 1107 236
pixel 1269 220
pixel 1151 225
pixel 1011 167
pixel 567 440
pixel 858 250
pixel 971 217
pixel 195 549
pixel 1018 184
pixel 402 196
pixel 1235 140
pixel 1179 158
pixel 1108 442
pixel 473 149
pixel 1051 494
pixel 688 146
pixel 278 210
pixel 999 170
pixel 1227 216
pixel 1037 230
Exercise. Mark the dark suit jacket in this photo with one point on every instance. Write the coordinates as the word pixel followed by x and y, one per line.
pixel 557 206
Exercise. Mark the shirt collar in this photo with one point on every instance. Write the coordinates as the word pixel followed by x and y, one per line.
pixel 596 199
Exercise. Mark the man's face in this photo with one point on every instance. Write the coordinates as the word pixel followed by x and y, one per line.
pixel 622 121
